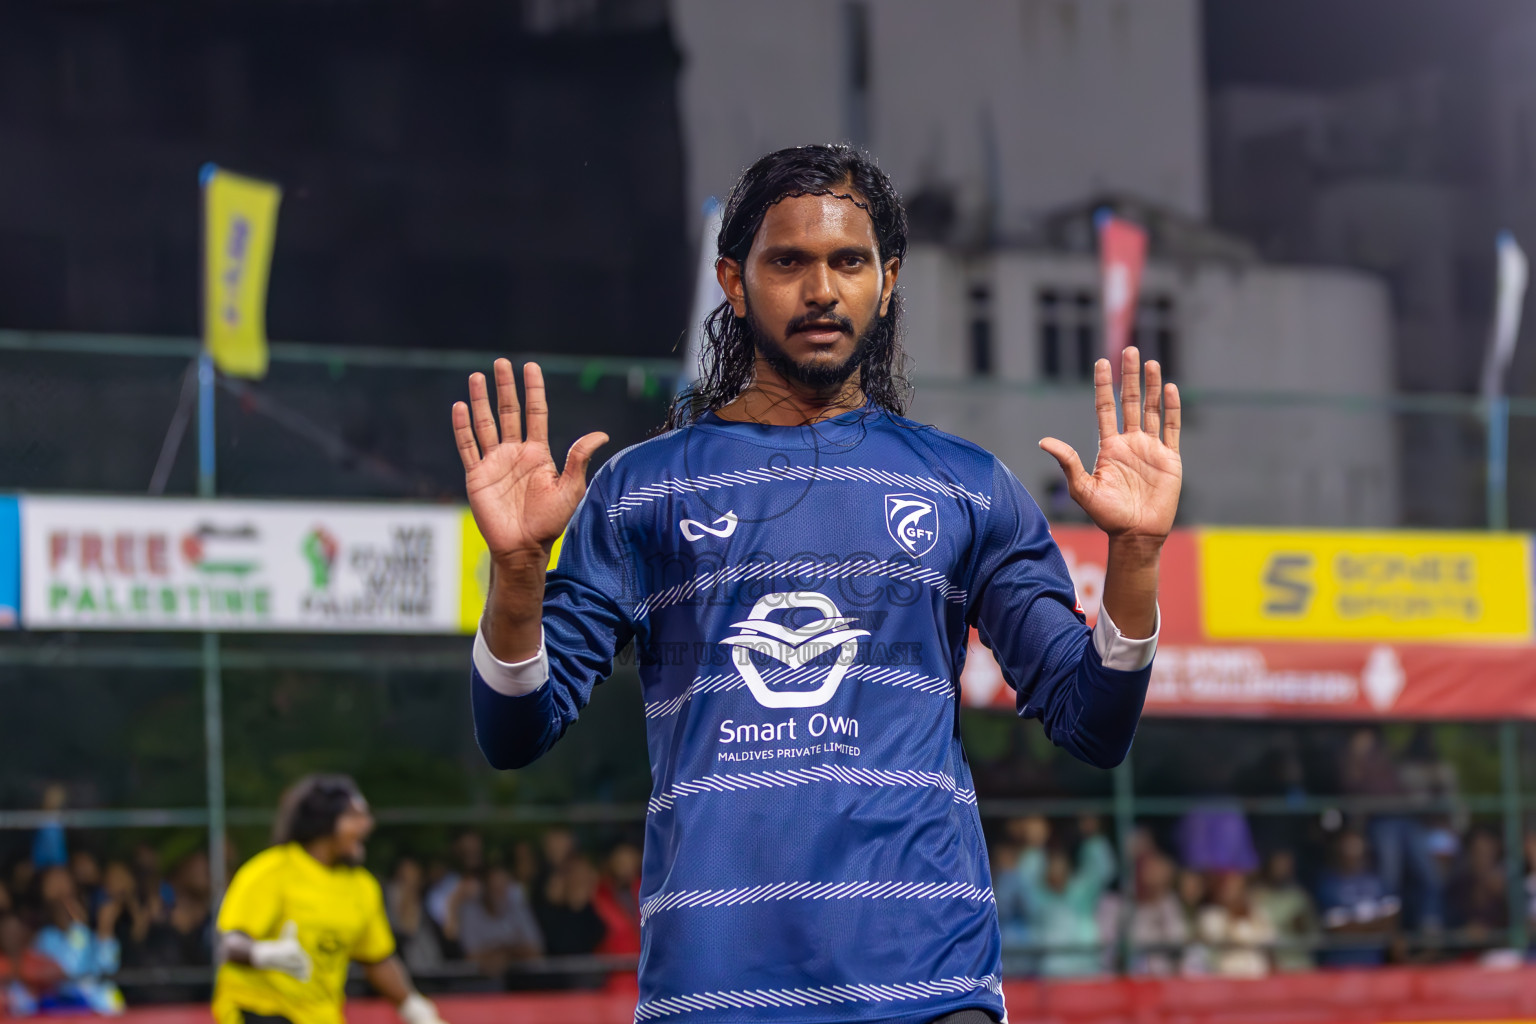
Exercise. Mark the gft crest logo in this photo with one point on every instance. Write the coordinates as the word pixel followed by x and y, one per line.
pixel 795 646
pixel 913 522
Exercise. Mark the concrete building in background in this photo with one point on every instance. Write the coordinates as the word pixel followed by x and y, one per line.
pixel 1221 326
pixel 1410 178
pixel 1006 126
pixel 987 114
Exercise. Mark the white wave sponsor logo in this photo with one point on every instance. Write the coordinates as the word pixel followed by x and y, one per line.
pixel 795 646
pixel 694 531
pixel 1383 678
pixel 913 522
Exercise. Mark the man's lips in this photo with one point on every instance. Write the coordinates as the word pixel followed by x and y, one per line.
pixel 822 333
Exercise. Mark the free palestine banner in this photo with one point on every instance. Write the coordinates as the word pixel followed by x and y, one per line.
pixel 168 564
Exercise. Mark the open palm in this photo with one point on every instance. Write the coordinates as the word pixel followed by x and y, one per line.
pixel 1133 490
pixel 520 502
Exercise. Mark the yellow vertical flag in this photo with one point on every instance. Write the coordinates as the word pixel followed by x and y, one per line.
pixel 239 225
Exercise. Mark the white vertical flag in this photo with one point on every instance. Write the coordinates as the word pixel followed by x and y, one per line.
pixel 1514 272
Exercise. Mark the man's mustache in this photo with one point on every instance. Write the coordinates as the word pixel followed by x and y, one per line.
pixel 819 322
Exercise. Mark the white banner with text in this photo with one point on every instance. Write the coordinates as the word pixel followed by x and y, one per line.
pixel 180 564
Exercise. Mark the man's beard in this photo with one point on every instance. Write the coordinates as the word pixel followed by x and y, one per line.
pixel 819 377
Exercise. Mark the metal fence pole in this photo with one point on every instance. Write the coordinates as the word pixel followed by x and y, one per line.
pixel 1125 829
pixel 1498 463
pixel 1509 765
pixel 213 732
pixel 213 686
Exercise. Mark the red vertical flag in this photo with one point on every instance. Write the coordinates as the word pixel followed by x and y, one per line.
pixel 1122 254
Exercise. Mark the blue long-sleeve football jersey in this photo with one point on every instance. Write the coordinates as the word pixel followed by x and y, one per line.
pixel 799 598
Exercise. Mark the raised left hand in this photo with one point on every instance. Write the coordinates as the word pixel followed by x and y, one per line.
pixel 1133 491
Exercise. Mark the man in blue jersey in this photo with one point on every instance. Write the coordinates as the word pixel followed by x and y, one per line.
pixel 797 565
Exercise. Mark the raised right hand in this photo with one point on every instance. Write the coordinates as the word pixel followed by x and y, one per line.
pixel 520 502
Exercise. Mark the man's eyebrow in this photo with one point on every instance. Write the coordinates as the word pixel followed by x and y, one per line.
pixel 862 251
pixel 774 252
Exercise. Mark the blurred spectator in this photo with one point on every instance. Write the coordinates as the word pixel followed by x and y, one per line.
pixel 525 865
pixel 183 937
pixel 468 860
pixel 155 894
pixel 1355 904
pixel 488 916
pixel 557 846
pixel 87 873
pixel 1478 897
pixel 1159 928
pixel 81 955
pixel 1290 909
pixel 1429 777
pixel 1009 893
pixel 1217 839
pixel 570 923
pixel 415 935
pixel 1400 841
pixel 24 972
pixel 617 900
pixel 1063 900
pixel 1236 932
pixel 133 920
pixel 22 877
pixel 1530 878
pixel 1191 892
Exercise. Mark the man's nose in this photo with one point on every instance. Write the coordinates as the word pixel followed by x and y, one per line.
pixel 820 287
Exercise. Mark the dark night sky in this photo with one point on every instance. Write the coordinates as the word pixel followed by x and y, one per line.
pixel 1331 43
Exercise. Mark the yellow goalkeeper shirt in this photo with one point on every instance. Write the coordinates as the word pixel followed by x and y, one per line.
pixel 339 913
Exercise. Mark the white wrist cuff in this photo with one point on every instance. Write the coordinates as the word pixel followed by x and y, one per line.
pixel 1122 653
pixel 511 678
pixel 417 1009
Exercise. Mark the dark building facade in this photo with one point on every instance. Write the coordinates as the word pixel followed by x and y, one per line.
pixel 460 175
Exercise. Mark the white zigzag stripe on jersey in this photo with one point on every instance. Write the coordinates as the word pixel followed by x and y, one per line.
pixel 754 998
pixel 814 891
pixel 779 778
pixel 780 474
pixel 804 569
pixel 825 995
pixel 796 674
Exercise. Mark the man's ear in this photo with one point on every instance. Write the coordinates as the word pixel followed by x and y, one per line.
pixel 728 273
pixel 892 269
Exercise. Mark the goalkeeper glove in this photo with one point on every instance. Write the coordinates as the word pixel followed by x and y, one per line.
pixel 283 954
pixel 418 1009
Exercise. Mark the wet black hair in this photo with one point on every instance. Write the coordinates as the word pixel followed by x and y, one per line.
pixel 728 356
pixel 311 807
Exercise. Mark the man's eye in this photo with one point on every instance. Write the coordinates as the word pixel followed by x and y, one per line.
pixel 784 261
pixel 853 262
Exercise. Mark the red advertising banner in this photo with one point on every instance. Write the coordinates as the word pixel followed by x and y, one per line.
pixel 1122 255
pixel 1441 993
pixel 1259 676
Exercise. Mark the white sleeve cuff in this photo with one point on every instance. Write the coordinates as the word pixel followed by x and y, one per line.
pixel 511 678
pixel 1120 652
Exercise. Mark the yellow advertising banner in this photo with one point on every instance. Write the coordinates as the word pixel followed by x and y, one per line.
pixel 475 575
pixel 1321 585
pixel 239 225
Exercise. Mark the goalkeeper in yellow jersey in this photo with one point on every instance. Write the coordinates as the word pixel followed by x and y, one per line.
pixel 296 915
